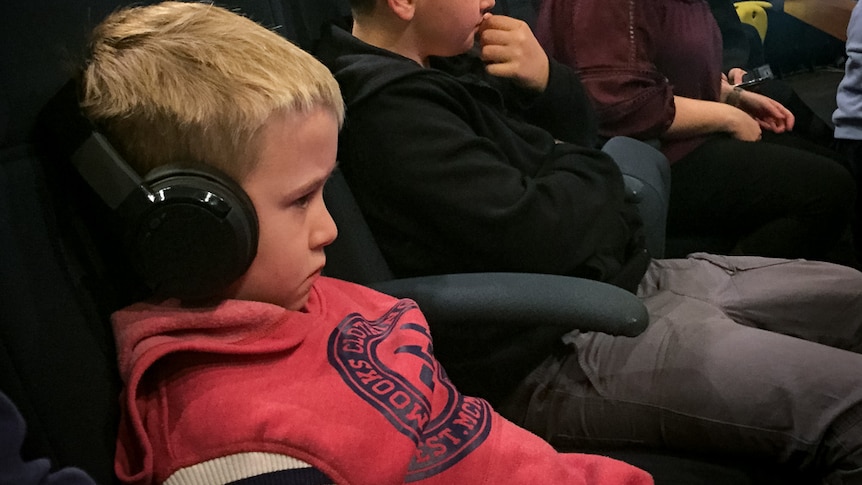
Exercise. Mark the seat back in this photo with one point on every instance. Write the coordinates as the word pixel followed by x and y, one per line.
pixel 57 359
pixel 307 18
pixel 354 255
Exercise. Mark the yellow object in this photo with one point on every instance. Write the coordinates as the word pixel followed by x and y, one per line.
pixel 754 13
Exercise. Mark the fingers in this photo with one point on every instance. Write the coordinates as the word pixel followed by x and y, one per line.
pixel 735 75
pixel 789 118
pixel 510 49
pixel 499 35
pixel 780 118
pixel 744 126
pixel 502 22
pixel 769 125
pixel 753 135
pixel 770 114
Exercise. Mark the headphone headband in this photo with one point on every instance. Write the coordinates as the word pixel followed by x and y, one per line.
pixel 189 230
pixel 106 172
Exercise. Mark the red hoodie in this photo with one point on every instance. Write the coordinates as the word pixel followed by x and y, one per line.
pixel 348 386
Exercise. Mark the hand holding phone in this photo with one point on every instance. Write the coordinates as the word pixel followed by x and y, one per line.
pixel 755 76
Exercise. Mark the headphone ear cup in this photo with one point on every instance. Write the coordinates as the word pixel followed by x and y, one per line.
pixel 197 237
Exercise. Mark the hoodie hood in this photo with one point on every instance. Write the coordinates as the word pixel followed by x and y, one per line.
pixel 148 332
pixel 362 70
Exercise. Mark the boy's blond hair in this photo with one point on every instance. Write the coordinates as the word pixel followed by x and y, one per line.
pixel 193 82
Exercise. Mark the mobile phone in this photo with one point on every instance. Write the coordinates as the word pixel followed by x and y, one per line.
pixel 755 76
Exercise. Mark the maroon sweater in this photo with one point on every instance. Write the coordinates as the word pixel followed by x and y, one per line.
pixel 634 56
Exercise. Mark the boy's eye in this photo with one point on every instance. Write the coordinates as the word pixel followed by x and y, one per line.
pixel 304 200
pixel 308 197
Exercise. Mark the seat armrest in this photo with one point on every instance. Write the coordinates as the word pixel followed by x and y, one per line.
pixel 523 300
pixel 634 189
pixel 491 330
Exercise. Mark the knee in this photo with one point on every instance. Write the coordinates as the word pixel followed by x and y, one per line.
pixel 836 190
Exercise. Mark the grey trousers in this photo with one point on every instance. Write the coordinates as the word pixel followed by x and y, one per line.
pixel 744 355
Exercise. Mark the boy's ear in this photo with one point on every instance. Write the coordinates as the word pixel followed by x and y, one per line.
pixel 404 9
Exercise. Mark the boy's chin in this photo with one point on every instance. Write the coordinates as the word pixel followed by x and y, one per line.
pixel 298 305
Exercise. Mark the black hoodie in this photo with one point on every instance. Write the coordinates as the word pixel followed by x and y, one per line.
pixel 460 171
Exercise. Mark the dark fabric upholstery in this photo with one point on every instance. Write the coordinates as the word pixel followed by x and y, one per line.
pixel 57 354
pixel 354 255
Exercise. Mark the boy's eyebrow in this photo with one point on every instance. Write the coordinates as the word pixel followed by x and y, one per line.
pixel 315 183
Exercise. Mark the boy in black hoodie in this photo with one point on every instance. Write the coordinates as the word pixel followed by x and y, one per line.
pixel 479 157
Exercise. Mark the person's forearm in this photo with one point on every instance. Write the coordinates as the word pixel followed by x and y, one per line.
pixel 697 117
pixel 564 108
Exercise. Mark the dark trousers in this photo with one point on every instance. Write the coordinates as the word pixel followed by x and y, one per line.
pixel 808 124
pixel 852 152
pixel 781 197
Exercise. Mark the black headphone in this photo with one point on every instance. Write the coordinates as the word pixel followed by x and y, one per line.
pixel 189 230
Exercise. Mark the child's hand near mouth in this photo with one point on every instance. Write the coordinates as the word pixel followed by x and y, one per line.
pixel 510 49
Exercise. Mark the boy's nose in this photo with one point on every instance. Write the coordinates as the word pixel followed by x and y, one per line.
pixel 327 230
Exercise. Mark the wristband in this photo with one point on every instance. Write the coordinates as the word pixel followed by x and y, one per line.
pixel 734 97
